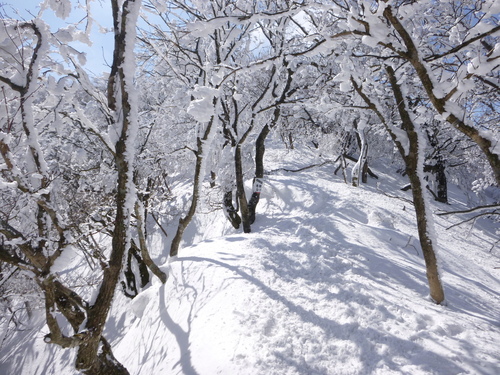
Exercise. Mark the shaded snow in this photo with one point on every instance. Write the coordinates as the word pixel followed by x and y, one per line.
pixel 331 281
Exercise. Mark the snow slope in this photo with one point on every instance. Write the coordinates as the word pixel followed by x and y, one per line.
pixel 331 281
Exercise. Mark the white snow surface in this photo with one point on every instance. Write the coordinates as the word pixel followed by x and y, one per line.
pixel 330 281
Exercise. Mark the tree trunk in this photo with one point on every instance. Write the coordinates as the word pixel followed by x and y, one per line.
pixel 240 188
pixel 141 225
pixel 184 221
pixel 441 182
pixel 129 285
pixel 198 170
pixel 89 359
pixel 421 211
pixel 361 167
pixel 260 149
pixel 415 175
pixel 231 211
pixel 94 356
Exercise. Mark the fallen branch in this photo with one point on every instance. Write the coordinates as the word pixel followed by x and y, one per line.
pixel 300 169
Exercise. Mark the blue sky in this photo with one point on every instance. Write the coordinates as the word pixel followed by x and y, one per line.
pixel 99 55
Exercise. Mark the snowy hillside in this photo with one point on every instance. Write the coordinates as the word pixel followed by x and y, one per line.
pixel 331 281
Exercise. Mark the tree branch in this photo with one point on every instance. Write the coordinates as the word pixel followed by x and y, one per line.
pixel 469 210
pixel 463 45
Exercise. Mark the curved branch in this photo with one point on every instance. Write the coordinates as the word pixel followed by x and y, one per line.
pixel 463 45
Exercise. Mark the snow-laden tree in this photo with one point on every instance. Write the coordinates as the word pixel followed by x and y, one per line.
pixel 61 170
pixel 219 52
pixel 453 51
pixel 408 136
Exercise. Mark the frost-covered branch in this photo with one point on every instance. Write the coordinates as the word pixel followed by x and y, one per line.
pixel 462 45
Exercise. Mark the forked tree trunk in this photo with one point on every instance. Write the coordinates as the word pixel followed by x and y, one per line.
pixel 134 260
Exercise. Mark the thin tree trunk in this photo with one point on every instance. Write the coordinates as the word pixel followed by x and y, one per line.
pixel 361 167
pixel 421 210
pixel 184 221
pixel 143 246
pixel 441 182
pixel 260 149
pixel 411 162
pixel 240 188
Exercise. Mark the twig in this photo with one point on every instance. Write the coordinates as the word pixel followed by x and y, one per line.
pixel 471 210
pixel 157 222
pixel 493 246
pixel 410 244
pixel 474 218
pixel 396 197
pixel 300 169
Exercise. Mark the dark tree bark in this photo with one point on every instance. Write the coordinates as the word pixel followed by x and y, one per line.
pixel 260 149
pixel 438 174
pixel 40 255
pixel 143 248
pixel 231 211
pixel 436 167
pixel 94 356
pixel 441 182
pixel 129 285
pixel 240 189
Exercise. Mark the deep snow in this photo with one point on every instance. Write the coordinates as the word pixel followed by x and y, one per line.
pixel 331 281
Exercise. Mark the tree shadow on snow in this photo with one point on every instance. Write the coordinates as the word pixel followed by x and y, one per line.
pixel 364 338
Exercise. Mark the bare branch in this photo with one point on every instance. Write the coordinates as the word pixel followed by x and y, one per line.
pixel 469 210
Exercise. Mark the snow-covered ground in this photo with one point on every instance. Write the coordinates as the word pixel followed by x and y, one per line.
pixel 331 281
